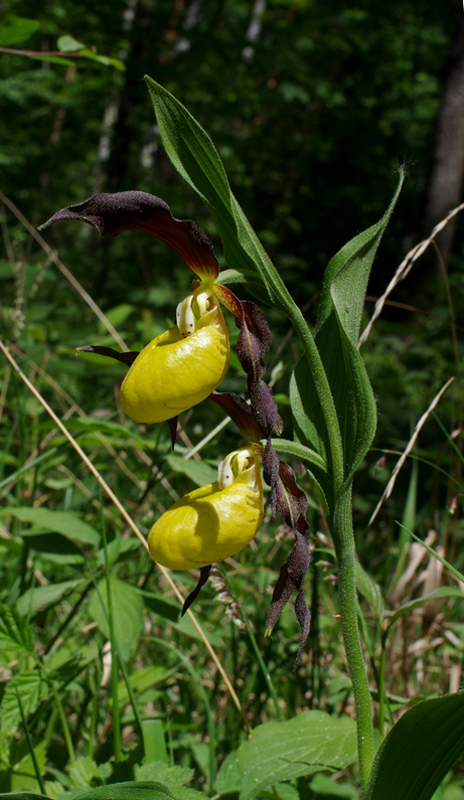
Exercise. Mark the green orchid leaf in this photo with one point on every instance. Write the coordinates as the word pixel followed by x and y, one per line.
pixel 130 790
pixel 336 337
pixel 281 751
pixel 419 750
pixel 347 274
pixel 194 156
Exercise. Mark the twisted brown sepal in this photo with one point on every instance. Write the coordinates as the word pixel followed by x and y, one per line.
pixel 291 579
pixel 252 346
pixel 111 213
pixel 204 574
pixel 173 429
pixel 240 413
pixel 127 358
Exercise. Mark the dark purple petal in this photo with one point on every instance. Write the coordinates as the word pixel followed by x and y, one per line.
pixel 249 353
pixel 111 213
pixel 204 574
pixel 127 357
pixel 240 412
pixel 173 430
pixel 291 578
pixel 258 324
pixel 264 407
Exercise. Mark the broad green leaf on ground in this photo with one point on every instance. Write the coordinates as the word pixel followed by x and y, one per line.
pixel 199 472
pixel 42 596
pixel 23 776
pixel 22 796
pixel 281 751
pixel 370 590
pixel 84 771
pixel 127 613
pixel 15 633
pixel 132 790
pixel 64 522
pixel 419 750
pixel 32 690
pixel 323 786
pixel 16 30
pixel 174 778
pixel 194 156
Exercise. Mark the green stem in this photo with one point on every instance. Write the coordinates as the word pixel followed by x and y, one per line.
pixel 263 667
pixel 323 390
pixel 383 661
pixel 342 532
pixel 30 745
pixel 66 731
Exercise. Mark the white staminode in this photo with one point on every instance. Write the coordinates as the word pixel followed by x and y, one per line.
pixel 185 316
pixel 233 465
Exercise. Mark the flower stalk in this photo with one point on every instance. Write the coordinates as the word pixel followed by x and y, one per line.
pixel 343 538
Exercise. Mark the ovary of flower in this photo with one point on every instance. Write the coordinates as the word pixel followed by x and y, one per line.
pixel 183 365
pixel 215 521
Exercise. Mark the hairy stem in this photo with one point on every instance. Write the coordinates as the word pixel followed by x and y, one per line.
pixel 342 533
pixel 323 390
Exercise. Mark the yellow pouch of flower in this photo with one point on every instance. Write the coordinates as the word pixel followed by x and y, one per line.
pixel 215 521
pixel 182 366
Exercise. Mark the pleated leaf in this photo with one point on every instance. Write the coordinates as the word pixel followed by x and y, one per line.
pixel 282 751
pixel 195 157
pixel 419 750
pixel 337 332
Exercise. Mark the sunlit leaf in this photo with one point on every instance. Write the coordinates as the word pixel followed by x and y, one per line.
pixel 419 750
pixel 32 690
pixel 15 633
pixel 127 613
pixel 64 522
pixel 17 30
pixel 42 596
pixel 281 751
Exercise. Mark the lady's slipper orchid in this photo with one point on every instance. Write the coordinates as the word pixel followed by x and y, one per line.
pixel 180 368
pixel 183 365
pixel 215 521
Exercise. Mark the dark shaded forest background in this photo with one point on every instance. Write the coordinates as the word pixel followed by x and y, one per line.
pixel 311 105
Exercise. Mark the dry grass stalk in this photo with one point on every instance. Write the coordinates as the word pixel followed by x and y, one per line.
pixel 404 269
pixel 130 522
pixel 389 487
